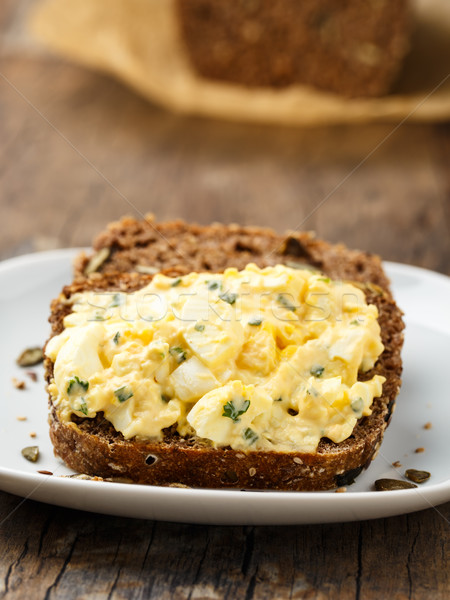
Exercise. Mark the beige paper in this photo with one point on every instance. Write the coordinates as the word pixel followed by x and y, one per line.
pixel 138 41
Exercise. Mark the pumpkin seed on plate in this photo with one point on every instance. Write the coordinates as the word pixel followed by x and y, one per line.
pixel 417 476
pixel 31 356
pixel 387 485
pixel 31 453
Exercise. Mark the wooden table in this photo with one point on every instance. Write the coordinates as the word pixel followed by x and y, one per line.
pixel 77 150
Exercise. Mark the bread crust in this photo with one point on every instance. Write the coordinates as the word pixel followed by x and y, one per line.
pixel 93 447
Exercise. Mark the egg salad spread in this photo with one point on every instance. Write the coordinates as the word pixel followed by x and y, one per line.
pixel 258 359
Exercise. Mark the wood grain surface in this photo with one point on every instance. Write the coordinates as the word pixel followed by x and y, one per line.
pixel 78 150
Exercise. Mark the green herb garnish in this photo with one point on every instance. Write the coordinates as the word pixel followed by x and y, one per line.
pixel 317 370
pixel 229 297
pixel 199 327
pixel 212 285
pixel 178 354
pixel 357 405
pixel 355 322
pixel 285 302
pixel 325 279
pixel 250 436
pixel 176 282
pixel 233 412
pixel 117 300
pixel 77 386
pixel 255 322
pixel 116 338
pixel 99 317
pixel 123 393
pixel 83 407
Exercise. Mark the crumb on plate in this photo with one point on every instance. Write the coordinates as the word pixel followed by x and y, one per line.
pixel 19 384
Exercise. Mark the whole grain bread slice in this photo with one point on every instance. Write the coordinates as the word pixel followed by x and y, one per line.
pixel 132 245
pixel 94 447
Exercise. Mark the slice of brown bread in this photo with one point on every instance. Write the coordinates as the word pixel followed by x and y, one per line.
pixel 131 245
pixel 94 447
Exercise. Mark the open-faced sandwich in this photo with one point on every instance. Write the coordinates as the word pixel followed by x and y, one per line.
pixel 222 356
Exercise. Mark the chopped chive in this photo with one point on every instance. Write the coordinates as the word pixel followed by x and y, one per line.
pixel 178 354
pixel 250 436
pixel 325 279
pixel 176 282
pixel 285 303
pixel 118 300
pixel 233 412
pixel 229 297
pixel 77 386
pixel 317 370
pixel 199 327
pixel 312 392
pixel 83 407
pixel 212 285
pixel 255 322
pixel 116 338
pixel 123 393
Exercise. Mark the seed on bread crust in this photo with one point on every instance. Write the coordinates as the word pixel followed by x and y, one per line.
pixel 146 269
pixel 97 261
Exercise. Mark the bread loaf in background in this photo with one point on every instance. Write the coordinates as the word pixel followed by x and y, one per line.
pixel 350 47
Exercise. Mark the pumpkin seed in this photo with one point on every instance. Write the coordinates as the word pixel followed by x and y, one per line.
pixel 97 261
pixel 31 453
pixel 386 485
pixel 417 476
pixel 146 269
pixel 30 357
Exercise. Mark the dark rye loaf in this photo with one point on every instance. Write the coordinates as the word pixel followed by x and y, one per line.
pixel 349 47
pixel 92 446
